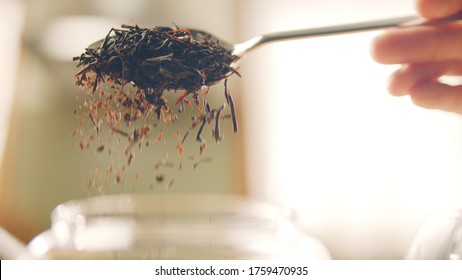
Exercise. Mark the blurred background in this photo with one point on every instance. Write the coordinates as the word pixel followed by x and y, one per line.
pixel 318 131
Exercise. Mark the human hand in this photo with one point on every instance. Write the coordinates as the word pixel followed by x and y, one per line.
pixel 426 52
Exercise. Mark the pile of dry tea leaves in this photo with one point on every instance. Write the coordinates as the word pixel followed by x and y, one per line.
pixel 128 76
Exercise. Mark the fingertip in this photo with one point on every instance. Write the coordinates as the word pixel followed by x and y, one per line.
pixel 434 95
pixel 395 84
pixel 421 101
pixel 374 49
pixel 390 46
pixel 378 48
pixel 422 96
pixel 403 79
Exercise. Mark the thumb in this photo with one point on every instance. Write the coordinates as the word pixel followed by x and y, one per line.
pixel 434 9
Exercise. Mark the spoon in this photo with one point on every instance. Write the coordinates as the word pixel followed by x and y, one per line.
pixel 119 56
pixel 242 49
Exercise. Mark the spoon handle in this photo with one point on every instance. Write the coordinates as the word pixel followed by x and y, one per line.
pixel 243 48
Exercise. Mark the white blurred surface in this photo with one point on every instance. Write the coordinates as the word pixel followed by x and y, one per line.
pixel 324 136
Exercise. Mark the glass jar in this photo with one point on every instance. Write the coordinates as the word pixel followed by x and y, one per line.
pixel 173 226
